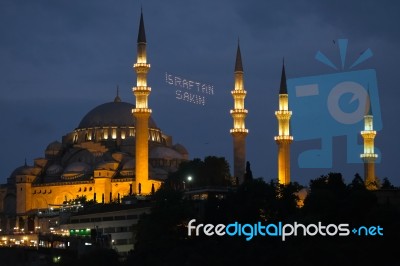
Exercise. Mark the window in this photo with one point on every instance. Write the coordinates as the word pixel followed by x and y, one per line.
pixel 109 230
pixel 119 217
pixel 114 133
pixel 121 229
pixel 110 218
pixel 121 241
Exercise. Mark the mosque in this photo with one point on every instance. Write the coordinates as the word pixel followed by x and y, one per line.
pixel 118 150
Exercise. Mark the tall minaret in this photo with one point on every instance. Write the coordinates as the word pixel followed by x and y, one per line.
pixel 369 156
pixel 142 114
pixel 284 139
pixel 239 131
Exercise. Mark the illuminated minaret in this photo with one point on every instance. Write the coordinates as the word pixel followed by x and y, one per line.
pixel 283 139
pixel 369 156
pixel 239 131
pixel 142 114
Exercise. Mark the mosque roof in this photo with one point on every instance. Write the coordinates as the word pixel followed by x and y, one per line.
pixel 114 113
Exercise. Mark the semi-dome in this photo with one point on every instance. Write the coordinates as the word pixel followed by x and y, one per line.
pixel 54 146
pixel 164 153
pixel 116 114
pixel 22 170
pixel 180 148
pixel 75 170
pixel 54 169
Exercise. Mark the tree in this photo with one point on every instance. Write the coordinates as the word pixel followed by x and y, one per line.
pixel 357 182
pixel 249 174
pixel 213 171
pixel 163 231
pixel 386 184
pixel 99 257
pixel 326 197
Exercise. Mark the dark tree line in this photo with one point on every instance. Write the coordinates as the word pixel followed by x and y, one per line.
pixel 163 239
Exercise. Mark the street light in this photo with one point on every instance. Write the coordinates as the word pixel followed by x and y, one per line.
pixel 189 179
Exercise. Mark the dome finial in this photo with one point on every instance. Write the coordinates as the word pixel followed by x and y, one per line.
pixel 25 162
pixel 117 99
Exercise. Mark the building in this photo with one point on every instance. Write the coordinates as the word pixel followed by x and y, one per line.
pixel 110 154
pixel 119 224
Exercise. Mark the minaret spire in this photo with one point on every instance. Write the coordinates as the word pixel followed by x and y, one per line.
pixel 142 33
pixel 284 139
pixel 283 87
pixel 239 113
pixel 369 104
pixel 369 156
pixel 142 113
pixel 238 63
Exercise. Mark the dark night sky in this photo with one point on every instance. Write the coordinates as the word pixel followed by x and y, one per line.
pixel 59 59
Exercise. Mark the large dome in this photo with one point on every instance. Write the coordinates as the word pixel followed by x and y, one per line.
pixel 118 114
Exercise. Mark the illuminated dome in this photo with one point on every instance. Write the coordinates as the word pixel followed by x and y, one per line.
pixel 114 114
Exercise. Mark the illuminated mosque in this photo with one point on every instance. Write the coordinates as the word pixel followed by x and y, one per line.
pixel 118 150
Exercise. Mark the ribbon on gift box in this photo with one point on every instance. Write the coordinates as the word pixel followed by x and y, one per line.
pixel 343 50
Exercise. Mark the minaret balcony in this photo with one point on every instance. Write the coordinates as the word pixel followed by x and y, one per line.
pixel 368 155
pixel 368 133
pixel 283 112
pixel 239 111
pixel 283 138
pixel 141 110
pixel 141 90
pixel 238 92
pixel 141 67
pixel 239 130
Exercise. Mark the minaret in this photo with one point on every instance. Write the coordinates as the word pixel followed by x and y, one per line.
pixel 142 114
pixel 369 156
pixel 284 139
pixel 239 131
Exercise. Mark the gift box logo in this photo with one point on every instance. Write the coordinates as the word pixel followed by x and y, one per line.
pixel 326 106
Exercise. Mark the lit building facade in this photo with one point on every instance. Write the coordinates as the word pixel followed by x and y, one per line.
pixel 120 225
pixel 284 139
pixel 239 113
